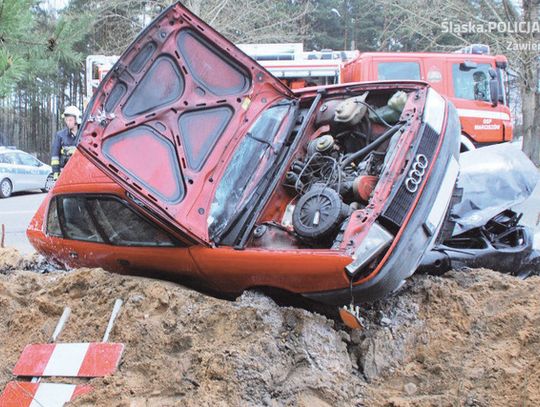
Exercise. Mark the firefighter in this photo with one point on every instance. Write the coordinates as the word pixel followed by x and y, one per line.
pixel 481 86
pixel 64 142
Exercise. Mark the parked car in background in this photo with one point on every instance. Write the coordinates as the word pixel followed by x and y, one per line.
pixel 20 171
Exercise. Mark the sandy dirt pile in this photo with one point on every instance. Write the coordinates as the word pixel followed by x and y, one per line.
pixel 464 339
pixel 479 344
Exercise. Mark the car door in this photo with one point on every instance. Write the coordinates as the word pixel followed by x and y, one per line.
pixel 171 111
pixel 5 166
pixel 471 95
pixel 32 171
pixel 16 172
pixel 101 230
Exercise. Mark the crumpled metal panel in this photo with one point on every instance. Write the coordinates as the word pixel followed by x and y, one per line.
pixel 493 179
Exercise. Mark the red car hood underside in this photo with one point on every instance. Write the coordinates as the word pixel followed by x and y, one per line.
pixel 167 117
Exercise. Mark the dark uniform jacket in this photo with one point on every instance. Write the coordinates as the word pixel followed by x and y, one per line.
pixel 63 147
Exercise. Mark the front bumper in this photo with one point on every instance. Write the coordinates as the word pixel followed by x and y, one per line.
pixel 418 237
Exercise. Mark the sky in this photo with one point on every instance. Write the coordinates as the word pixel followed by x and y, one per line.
pixel 54 4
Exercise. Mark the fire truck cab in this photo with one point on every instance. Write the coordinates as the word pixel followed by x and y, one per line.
pixel 471 78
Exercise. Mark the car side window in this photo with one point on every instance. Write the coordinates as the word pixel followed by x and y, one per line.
pixel 4 159
pixel 53 224
pixel 123 226
pixel 78 224
pixel 27 159
pixel 398 70
pixel 12 158
pixel 102 219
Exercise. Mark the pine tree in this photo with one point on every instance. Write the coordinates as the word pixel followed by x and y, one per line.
pixel 16 22
pixel 35 43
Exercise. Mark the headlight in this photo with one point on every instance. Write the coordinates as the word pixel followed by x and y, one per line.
pixel 373 244
pixel 434 110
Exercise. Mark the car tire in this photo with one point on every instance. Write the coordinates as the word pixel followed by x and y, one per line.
pixel 49 184
pixel 466 144
pixel 6 188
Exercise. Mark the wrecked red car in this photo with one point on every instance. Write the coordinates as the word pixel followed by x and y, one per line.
pixel 195 163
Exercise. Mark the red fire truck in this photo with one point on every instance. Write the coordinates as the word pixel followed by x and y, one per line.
pixel 471 78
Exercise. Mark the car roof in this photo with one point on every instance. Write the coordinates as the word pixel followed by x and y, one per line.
pixel 9 149
pixel 4 149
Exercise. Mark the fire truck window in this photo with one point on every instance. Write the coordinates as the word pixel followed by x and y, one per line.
pixel 398 70
pixel 78 224
pixel 123 226
pixel 53 225
pixel 471 84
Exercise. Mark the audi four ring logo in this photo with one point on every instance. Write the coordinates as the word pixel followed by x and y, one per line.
pixel 418 169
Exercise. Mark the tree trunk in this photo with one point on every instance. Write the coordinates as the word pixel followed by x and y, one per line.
pixel 531 123
pixel 530 90
pixel 534 144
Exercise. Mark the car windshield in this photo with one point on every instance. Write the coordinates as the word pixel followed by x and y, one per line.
pixel 260 145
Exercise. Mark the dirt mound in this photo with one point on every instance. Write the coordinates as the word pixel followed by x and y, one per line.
pixel 469 338
pixel 182 347
pixel 479 344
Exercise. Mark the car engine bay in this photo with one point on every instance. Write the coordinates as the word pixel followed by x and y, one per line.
pixel 337 171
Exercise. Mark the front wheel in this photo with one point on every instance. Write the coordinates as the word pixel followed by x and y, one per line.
pixel 5 188
pixel 49 184
pixel 466 144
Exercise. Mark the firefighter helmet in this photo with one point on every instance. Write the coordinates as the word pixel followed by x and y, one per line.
pixel 73 111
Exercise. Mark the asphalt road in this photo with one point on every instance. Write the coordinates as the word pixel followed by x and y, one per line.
pixel 17 211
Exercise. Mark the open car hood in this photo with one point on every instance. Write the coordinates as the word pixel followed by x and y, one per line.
pixel 167 117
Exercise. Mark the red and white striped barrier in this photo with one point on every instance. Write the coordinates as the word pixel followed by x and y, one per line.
pixel 26 394
pixel 69 359
pixel 62 359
